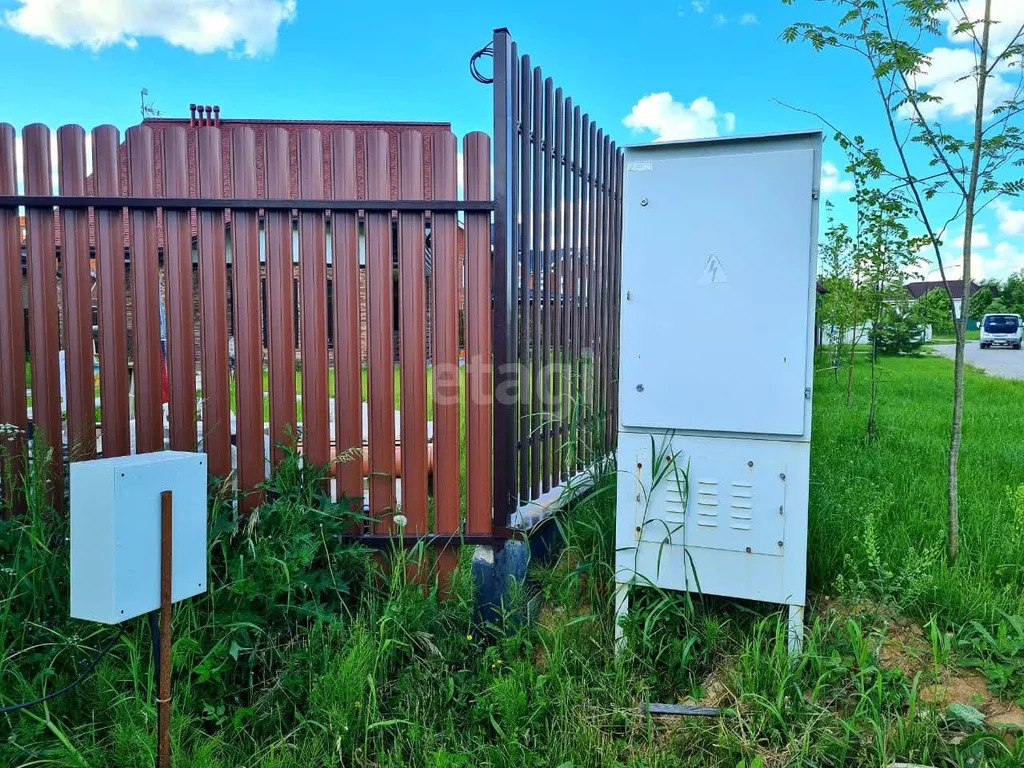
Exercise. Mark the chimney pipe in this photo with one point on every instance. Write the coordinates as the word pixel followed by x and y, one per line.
pixel 209 115
pixel 192 114
pixel 216 115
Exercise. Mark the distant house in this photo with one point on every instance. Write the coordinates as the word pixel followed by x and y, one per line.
pixel 921 287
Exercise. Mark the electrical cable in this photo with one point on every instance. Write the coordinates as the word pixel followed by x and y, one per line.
pixel 88 670
pixel 487 50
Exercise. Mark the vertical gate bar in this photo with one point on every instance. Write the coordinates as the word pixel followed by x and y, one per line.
pixel 599 293
pixel 80 385
pixel 569 288
pixel 380 309
pixel 525 270
pixel 477 153
pixel 609 293
pixel 503 272
pixel 617 266
pixel 583 374
pixel 348 401
pixel 245 271
pixel 316 430
pixel 13 400
pixel 280 310
pixel 145 283
pixel 213 316
pixel 557 292
pixel 592 289
pixel 536 276
pixel 594 278
pixel 110 296
pixel 412 309
pixel 515 215
pixel 577 284
pixel 443 240
pixel 181 340
pixel 43 311
pixel 545 289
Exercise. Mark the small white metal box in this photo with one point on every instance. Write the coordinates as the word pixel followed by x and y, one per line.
pixel 717 329
pixel 115 533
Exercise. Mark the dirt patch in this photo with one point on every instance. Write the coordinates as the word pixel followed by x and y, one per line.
pixel 715 687
pixel 963 686
pixel 904 645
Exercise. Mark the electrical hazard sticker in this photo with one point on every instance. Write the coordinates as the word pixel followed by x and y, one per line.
pixel 714 271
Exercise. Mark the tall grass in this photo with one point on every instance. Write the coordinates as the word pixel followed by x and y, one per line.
pixel 310 652
pixel 878 510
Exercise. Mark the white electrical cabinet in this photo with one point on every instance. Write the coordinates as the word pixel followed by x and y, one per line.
pixel 115 532
pixel 717 332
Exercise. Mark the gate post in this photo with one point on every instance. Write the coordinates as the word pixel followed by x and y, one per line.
pixel 503 276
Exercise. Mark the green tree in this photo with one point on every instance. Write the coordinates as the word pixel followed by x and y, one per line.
pixel 838 308
pixel 982 300
pixel 935 309
pixel 884 253
pixel 944 175
pixel 1012 293
pixel 899 330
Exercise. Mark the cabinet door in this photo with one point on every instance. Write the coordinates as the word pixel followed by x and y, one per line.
pixel 717 274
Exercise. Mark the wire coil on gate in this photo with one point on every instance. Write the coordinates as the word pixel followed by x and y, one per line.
pixel 487 50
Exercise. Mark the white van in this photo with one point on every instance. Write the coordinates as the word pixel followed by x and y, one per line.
pixel 1001 329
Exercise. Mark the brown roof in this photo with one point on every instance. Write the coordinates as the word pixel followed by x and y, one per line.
pixel 326 127
pixel 956 288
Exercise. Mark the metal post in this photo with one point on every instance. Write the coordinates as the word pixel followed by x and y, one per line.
pixel 503 276
pixel 163 739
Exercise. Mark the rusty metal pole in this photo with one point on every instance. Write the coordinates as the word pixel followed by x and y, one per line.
pixel 163 701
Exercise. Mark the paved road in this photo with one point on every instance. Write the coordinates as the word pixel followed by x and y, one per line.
pixel 1000 361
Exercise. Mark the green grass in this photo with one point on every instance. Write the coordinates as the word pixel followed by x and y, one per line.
pixel 950 339
pixel 309 652
pixel 898 485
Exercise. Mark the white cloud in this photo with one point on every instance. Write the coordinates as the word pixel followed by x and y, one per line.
pixel 980 270
pixel 1011 221
pixel 996 263
pixel 948 77
pixel 248 27
pixel 831 181
pixel 747 19
pixel 669 119
pixel 720 19
pixel 1008 258
pixel 1007 16
pixel 979 239
pixel 700 5
pixel 949 71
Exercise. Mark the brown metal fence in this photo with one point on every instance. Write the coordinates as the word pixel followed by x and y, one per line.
pixel 521 385
pixel 144 238
pixel 558 192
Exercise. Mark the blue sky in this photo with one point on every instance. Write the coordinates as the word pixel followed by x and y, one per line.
pixel 644 70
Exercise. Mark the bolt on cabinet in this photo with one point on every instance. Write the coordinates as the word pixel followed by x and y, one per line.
pixel 717 333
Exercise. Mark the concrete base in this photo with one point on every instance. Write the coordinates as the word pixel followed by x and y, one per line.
pixel 495 569
pixel 493 572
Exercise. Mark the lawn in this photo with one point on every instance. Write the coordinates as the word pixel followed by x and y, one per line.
pixel 895 489
pixel 950 339
pixel 307 652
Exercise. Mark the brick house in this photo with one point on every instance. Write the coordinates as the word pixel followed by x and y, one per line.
pixel 260 127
